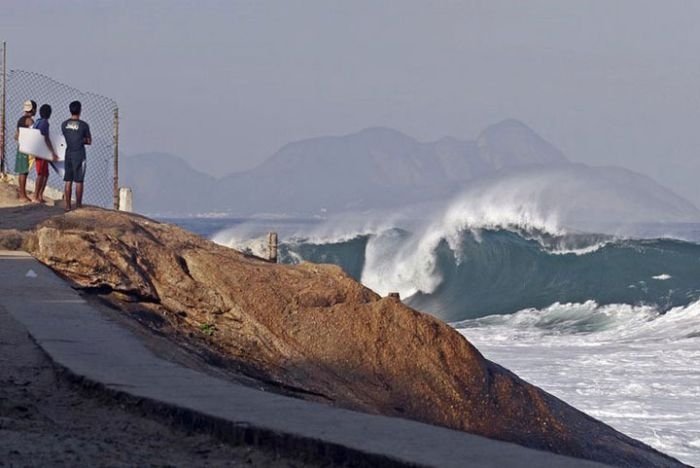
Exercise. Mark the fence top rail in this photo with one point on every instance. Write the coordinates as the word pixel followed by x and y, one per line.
pixel 60 84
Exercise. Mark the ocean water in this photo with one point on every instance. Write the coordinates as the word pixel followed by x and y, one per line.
pixel 632 367
pixel 607 320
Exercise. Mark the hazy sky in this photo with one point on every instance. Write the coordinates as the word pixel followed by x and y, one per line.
pixel 610 82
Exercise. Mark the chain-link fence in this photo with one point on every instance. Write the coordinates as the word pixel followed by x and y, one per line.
pixel 99 112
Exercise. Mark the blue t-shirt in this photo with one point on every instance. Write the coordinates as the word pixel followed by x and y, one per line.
pixel 43 126
pixel 75 132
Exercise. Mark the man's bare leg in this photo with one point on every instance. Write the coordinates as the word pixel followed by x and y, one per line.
pixel 37 188
pixel 40 184
pixel 67 194
pixel 78 194
pixel 23 188
pixel 44 183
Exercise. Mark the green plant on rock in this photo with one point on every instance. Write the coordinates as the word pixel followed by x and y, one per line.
pixel 207 328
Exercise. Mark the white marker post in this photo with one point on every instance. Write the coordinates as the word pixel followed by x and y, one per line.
pixel 126 200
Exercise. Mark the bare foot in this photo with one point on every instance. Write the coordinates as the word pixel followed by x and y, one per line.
pixel 25 199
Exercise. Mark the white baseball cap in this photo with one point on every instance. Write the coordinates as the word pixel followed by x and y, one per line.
pixel 27 107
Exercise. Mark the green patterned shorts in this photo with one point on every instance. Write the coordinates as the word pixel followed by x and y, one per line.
pixel 21 163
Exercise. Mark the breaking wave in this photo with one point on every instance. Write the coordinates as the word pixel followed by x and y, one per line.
pixel 595 323
pixel 521 240
pixel 485 272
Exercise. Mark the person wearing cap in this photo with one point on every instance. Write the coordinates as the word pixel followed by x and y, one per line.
pixel 22 159
pixel 42 165
pixel 77 135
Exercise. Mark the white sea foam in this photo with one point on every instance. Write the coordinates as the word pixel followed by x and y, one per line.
pixel 407 266
pixel 244 239
pixel 662 277
pixel 632 367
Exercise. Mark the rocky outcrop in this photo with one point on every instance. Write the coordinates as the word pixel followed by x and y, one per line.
pixel 313 329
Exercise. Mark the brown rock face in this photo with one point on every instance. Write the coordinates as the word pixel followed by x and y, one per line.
pixel 313 329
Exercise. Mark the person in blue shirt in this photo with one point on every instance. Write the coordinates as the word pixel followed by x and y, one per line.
pixel 77 135
pixel 42 165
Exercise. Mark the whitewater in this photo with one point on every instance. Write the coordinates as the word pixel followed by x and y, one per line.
pixel 586 293
pixel 631 367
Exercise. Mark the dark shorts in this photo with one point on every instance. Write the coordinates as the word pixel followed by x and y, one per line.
pixel 75 168
pixel 42 167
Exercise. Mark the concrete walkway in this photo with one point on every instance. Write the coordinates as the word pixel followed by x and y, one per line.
pixel 101 353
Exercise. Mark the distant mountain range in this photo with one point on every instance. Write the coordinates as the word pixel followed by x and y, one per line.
pixel 378 168
pixel 374 168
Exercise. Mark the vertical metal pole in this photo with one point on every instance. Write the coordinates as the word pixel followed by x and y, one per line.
pixel 2 108
pixel 116 159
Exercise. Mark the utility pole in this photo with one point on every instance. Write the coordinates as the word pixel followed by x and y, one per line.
pixel 116 159
pixel 3 99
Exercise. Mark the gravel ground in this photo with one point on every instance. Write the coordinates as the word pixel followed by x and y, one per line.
pixel 47 421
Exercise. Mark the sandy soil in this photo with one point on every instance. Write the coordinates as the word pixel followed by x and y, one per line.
pixel 22 216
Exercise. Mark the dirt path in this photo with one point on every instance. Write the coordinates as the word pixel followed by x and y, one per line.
pixel 46 421
pixel 16 216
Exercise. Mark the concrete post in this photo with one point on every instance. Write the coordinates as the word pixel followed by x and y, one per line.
pixel 272 252
pixel 126 200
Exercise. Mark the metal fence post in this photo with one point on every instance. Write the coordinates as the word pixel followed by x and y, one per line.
pixel 2 108
pixel 116 158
